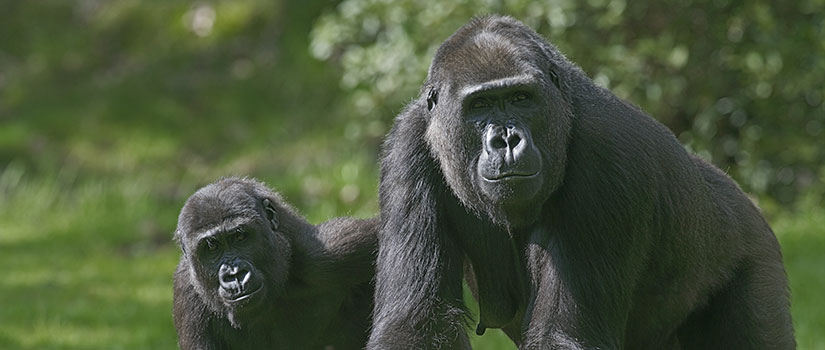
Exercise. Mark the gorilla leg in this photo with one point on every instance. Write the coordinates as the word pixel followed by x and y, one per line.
pixel 749 313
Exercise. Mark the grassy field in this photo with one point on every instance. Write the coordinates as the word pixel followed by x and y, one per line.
pixel 88 257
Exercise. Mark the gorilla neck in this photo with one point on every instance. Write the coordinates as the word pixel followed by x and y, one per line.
pixel 234 321
pixel 255 314
pixel 512 217
pixel 248 319
pixel 522 216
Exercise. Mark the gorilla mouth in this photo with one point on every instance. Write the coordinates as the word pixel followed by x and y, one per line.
pixel 508 176
pixel 240 297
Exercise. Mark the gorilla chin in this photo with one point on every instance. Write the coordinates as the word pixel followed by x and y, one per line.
pixel 245 310
pixel 242 295
pixel 509 190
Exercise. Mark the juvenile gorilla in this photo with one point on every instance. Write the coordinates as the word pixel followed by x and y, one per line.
pixel 255 275
pixel 578 220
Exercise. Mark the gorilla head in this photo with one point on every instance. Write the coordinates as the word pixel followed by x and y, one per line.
pixel 229 231
pixel 498 113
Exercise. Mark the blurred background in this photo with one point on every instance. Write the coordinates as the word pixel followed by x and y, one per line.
pixel 113 112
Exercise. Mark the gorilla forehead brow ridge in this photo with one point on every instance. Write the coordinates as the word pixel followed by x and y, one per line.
pixel 218 205
pixel 511 81
pixel 223 225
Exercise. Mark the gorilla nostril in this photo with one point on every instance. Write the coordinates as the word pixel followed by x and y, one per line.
pixel 234 278
pixel 498 143
pixel 227 279
pixel 230 276
pixel 513 140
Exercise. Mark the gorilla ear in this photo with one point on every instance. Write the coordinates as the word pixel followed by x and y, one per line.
pixel 177 238
pixel 271 214
pixel 432 98
pixel 552 69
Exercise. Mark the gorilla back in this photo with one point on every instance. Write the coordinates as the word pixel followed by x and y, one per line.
pixel 255 275
pixel 584 222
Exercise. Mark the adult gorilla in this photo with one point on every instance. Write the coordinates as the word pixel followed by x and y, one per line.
pixel 584 222
pixel 255 275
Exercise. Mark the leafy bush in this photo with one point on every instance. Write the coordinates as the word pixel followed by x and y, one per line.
pixel 740 83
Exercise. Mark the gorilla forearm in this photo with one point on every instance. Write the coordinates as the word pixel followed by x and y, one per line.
pixel 431 290
pixel 349 247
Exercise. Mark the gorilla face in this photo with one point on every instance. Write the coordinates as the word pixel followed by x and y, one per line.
pixel 500 129
pixel 225 256
pixel 509 167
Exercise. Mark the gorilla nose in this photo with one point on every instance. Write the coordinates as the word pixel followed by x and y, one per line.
pixel 504 141
pixel 234 277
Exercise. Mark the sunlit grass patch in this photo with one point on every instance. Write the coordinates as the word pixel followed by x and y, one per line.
pixel 802 236
pixel 80 272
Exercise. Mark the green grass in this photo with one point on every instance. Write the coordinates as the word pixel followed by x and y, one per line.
pixel 802 236
pixel 86 267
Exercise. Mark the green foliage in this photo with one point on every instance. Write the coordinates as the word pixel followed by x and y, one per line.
pixel 184 93
pixel 741 83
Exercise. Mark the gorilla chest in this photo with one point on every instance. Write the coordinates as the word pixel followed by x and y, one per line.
pixel 495 272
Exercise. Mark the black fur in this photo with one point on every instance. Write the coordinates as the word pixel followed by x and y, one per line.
pixel 316 290
pixel 582 221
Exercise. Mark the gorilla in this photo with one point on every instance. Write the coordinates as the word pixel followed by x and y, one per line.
pixel 255 275
pixel 577 220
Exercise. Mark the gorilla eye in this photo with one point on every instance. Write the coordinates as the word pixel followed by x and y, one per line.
pixel 211 244
pixel 479 103
pixel 520 96
pixel 240 235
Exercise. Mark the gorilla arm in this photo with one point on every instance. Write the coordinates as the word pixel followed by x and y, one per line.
pixel 418 277
pixel 342 252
